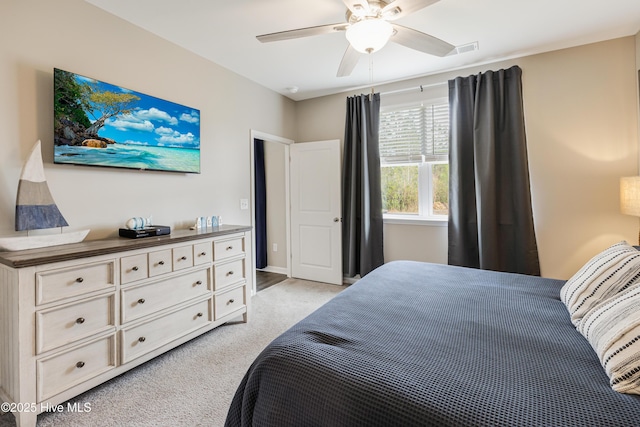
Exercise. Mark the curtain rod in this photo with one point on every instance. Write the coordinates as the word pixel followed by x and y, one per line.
pixel 420 88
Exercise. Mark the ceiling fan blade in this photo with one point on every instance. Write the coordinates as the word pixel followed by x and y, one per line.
pixel 349 61
pixel 420 41
pixel 358 7
pixel 302 32
pixel 400 8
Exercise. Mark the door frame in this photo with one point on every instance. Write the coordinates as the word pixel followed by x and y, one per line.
pixel 254 134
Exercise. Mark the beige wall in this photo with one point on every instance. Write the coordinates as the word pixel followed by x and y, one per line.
pixel 581 112
pixel 638 51
pixel 274 154
pixel 638 81
pixel 38 35
pixel 582 129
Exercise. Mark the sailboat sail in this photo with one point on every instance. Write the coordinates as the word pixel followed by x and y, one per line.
pixel 35 207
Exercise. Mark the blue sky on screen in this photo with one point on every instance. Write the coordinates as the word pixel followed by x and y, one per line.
pixel 153 121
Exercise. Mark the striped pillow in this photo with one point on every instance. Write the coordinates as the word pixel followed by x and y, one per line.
pixel 613 330
pixel 613 270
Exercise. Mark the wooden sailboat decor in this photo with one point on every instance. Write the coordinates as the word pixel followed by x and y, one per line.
pixel 36 210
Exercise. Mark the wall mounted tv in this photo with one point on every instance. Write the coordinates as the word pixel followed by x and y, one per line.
pixel 100 124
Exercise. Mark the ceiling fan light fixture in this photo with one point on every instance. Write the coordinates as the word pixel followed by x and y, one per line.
pixel 369 35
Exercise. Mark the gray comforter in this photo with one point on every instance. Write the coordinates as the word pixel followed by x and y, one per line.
pixel 415 344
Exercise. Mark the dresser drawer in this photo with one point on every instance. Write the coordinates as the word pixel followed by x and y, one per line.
pixel 202 253
pixel 55 285
pixel 159 262
pixel 133 268
pixel 151 335
pixel 228 302
pixel 64 370
pixel 182 257
pixel 146 299
pixel 63 325
pixel 227 248
pixel 228 273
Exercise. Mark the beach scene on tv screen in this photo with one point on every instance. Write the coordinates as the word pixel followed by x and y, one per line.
pixel 100 124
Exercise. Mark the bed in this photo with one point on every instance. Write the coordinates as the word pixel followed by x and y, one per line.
pixel 417 344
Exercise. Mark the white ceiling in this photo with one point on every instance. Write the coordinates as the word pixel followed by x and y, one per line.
pixel 224 31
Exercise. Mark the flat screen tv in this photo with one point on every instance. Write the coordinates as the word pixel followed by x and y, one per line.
pixel 100 124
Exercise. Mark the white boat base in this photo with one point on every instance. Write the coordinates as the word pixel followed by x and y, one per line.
pixel 19 243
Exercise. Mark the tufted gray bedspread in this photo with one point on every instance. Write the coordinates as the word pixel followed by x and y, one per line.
pixel 416 344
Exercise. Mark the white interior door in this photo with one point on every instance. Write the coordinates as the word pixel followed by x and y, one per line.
pixel 316 226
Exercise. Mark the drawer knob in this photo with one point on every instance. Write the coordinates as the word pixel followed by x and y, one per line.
pixel 230 273
pixel 229 248
pixel 141 301
pixel 80 320
pixel 135 268
pixel 183 258
pixel 142 339
pixel 80 364
pixel 199 282
pixel 79 280
pixel 200 314
pixel 231 301
pixel 203 253
pixel 161 262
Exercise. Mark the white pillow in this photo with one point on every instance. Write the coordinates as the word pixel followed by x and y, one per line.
pixel 615 269
pixel 613 330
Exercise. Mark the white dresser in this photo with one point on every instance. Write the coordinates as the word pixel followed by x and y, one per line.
pixel 74 316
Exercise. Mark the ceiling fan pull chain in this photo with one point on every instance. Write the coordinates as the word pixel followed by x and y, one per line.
pixel 371 76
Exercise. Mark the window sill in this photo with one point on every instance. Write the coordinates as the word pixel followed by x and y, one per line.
pixel 415 220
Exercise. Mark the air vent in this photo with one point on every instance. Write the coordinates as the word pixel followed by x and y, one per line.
pixel 464 48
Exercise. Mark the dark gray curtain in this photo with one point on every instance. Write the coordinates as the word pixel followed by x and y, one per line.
pixel 362 249
pixel 490 214
pixel 260 203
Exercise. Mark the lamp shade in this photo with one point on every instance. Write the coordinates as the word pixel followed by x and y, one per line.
pixel 630 195
pixel 369 35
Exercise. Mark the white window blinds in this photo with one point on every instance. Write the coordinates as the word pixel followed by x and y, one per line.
pixel 415 134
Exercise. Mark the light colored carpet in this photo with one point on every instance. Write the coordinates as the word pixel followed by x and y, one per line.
pixel 193 384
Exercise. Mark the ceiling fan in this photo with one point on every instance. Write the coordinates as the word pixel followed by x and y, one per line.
pixel 368 28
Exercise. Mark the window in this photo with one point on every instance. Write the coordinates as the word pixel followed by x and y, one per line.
pixel 414 150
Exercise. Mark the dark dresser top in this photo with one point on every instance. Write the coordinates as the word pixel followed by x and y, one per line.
pixel 89 248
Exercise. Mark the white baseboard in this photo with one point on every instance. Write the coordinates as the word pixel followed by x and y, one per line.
pixel 350 280
pixel 273 269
